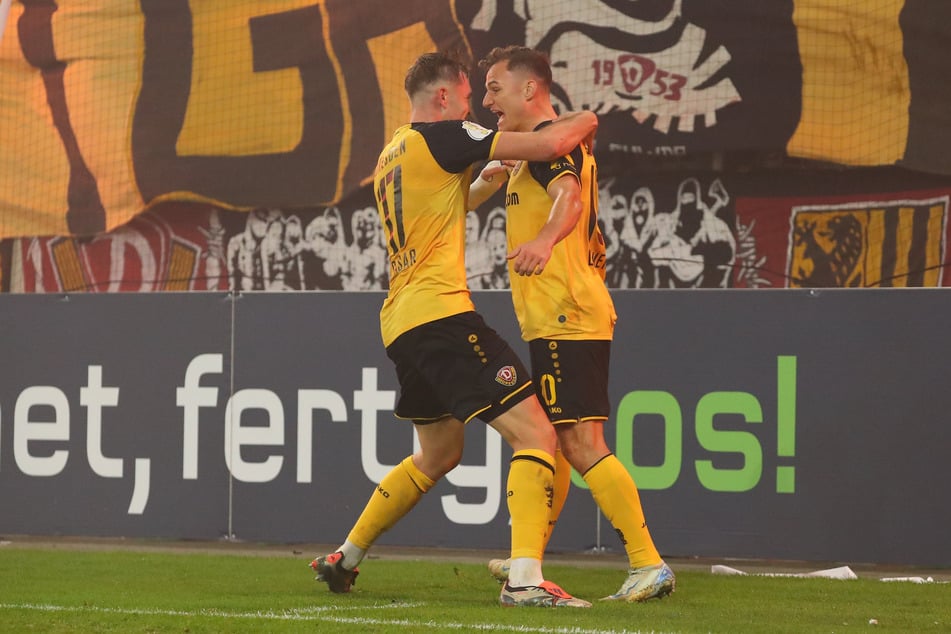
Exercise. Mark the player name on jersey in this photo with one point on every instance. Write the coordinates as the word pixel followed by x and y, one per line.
pixel 393 152
pixel 597 259
pixel 402 261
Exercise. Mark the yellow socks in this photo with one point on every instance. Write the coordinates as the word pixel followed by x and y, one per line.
pixel 399 492
pixel 530 491
pixel 616 495
pixel 562 484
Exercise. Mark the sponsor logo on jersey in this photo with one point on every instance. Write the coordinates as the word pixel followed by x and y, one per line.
pixel 506 376
pixel 476 131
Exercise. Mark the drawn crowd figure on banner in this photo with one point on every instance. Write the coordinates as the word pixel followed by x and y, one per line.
pixel 276 252
pixel 690 244
pixel 326 253
pixel 486 264
pixel 247 259
pixel 366 256
pixel 670 234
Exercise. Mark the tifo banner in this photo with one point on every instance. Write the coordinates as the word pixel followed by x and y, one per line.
pixel 899 240
pixel 109 107
pixel 662 230
pixel 872 228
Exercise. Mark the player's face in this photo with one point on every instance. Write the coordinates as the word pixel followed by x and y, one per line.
pixel 458 98
pixel 504 95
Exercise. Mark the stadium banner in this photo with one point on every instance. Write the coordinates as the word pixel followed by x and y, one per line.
pixel 110 107
pixel 870 227
pixel 896 240
pixel 794 424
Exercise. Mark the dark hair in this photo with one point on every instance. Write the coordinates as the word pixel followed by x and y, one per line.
pixel 432 67
pixel 520 58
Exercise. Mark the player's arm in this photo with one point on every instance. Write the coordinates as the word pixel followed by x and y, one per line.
pixel 531 257
pixel 549 143
pixel 489 180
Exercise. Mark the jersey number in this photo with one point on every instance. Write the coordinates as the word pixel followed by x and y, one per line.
pixel 547 385
pixel 593 204
pixel 392 219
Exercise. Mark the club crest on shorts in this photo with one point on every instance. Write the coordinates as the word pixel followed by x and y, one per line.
pixel 506 376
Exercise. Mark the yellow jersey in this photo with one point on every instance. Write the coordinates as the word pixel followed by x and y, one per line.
pixel 569 300
pixel 422 186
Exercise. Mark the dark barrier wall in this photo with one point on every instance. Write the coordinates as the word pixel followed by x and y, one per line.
pixel 774 424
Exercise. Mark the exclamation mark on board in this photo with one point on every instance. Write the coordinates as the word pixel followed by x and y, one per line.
pixel 786 422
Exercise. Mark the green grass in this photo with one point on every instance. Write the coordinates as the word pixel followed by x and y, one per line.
pixel 56 590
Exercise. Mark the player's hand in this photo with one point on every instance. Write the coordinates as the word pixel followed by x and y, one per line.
pixel 530 258
pixel 588 141
pixel 496 168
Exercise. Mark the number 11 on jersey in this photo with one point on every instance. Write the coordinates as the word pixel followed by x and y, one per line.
pixel 392 219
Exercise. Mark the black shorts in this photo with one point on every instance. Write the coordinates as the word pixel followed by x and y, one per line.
pixel 457 366
pixel 571 378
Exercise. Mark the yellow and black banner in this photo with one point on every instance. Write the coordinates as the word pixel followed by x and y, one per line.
pixel 108 107
pixel 888 244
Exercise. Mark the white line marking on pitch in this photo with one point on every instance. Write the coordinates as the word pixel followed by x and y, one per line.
pixel 326 614
pixel 482 627
pixel 299 614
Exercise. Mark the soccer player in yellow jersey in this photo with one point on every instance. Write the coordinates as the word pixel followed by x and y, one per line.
pixel 451 367
pixel 556 266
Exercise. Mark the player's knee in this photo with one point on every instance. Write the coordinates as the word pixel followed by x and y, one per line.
pixel 583 444
pixel 584 458
pixel 436 464
pixel 580 455
pixel 543 435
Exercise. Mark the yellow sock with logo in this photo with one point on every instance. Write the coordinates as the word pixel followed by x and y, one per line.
pixel 616 495
pixel 399 491
pixel 562 483
pixel 529 495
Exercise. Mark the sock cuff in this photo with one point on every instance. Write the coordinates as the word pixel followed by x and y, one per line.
pixel 607 459
pixel 536 455
pixel 420 479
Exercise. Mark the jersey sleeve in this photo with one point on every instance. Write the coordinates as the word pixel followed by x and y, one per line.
pixel 457 144
pixel 546 171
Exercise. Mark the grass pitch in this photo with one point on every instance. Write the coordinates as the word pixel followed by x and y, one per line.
pixel 57 590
